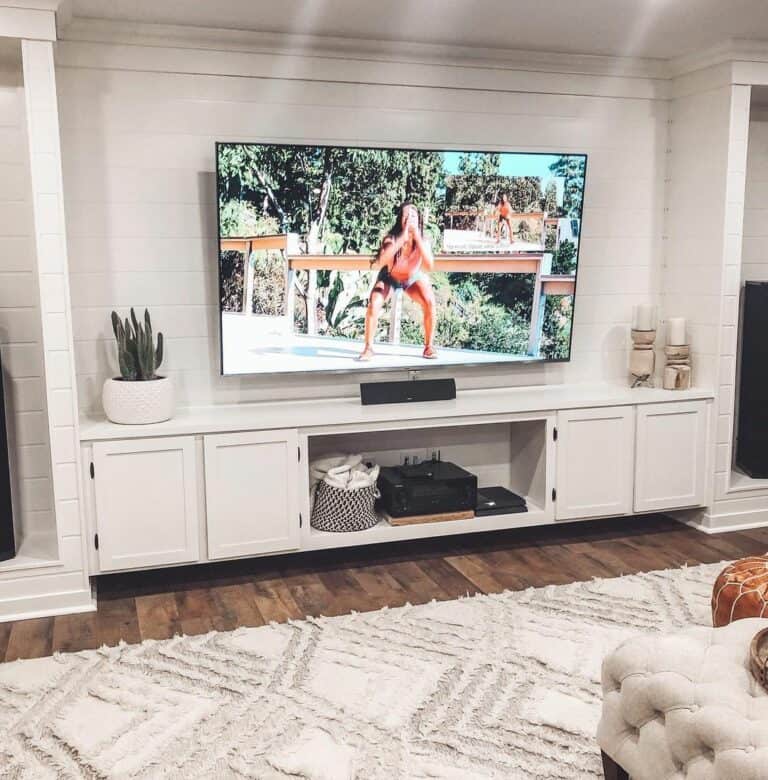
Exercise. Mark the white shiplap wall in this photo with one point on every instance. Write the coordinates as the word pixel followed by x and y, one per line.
pixel 20 332
pixel 740 501
pixel 138 156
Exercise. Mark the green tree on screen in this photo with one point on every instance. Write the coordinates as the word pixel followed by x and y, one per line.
pixel 479 164
pixel 571 168
pixel 564 260
pixel 556 335
pixel 350 195
pixel 550 198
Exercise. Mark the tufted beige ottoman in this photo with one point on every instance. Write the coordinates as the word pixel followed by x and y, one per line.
pixel 685 706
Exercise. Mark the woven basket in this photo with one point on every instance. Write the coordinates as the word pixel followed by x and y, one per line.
pixel 339 510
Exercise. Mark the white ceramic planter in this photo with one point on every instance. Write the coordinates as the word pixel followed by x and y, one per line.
pixel 138 403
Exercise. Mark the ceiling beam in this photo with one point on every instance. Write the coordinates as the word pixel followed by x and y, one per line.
pixel 28 23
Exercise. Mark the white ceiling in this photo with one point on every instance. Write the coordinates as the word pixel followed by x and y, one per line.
pixel 638 28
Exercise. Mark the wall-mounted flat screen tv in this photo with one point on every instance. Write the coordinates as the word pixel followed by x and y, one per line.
pixel 336 258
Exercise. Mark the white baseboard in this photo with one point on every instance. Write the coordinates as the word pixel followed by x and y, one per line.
pixel 48 605
pixel 732 521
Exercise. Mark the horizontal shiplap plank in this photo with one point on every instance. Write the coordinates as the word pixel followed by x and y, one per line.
pixel 91 183
pixel 16 218
pixel 191 321
pixel 234 120
pixel 11 102
pixel 33 461
pixel 18 289
pixel 26 394
pixel 702 280
pixel 140 87
pixel 98 254
pixel 179 354
pixel 17 253
pixel 13 145
pixel 620 251
pixel 756 221
pixel 604 309
pixel 144 288
pixel 30 428
pixel 596 337
pixel 622 280
pixel 22 360
pixel 19 325
pixel 152 220
pixel 755 272
pixel 15 181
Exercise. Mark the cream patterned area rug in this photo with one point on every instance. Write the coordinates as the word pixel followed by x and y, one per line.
pixel 503 686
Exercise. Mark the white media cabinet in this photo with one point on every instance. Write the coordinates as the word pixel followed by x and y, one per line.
pixel 233 481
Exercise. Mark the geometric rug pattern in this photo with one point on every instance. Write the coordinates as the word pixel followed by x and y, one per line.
pixel 498 686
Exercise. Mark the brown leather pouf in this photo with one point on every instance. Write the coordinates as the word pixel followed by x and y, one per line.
pixel 741 591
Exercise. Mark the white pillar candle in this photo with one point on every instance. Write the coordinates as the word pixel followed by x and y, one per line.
pixel 676 331
pixel 644 317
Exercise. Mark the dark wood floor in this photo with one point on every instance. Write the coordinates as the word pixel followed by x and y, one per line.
pixel 223 596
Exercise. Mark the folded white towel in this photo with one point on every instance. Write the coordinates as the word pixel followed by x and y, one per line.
pixel 332 465
pixel 362 477
pixel 345 472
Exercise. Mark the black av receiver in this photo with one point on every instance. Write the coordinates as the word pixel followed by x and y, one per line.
pixel 427 488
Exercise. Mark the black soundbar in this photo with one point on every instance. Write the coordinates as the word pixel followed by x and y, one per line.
pixel 407 392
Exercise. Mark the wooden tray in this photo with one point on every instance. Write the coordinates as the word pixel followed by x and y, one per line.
pixel 758 657
pixel 439 518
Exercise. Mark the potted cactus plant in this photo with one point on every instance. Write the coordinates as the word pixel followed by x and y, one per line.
pixel 138 396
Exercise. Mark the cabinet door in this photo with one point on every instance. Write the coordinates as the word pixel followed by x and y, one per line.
pixel 671 459
pixel 146 502
pixel 252 493
pixel 594 462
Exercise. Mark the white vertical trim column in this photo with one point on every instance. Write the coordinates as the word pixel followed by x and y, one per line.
pixel 738 140
pixel 52 267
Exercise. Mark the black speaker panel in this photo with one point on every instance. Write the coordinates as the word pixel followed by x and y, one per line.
pixel 7 541
pixel 752 426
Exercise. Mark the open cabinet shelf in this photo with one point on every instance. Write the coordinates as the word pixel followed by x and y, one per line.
pixel 514 453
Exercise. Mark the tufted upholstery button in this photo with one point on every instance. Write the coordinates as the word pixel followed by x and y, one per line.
pixel 686 706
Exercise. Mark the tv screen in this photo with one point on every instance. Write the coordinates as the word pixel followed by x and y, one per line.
pixel 340 258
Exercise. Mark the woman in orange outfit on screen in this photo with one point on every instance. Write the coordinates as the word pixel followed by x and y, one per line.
pixel 404 258
pixel 503 216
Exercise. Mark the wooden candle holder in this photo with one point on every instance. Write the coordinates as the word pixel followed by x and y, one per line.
pixel 642 358
pixel 677 372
